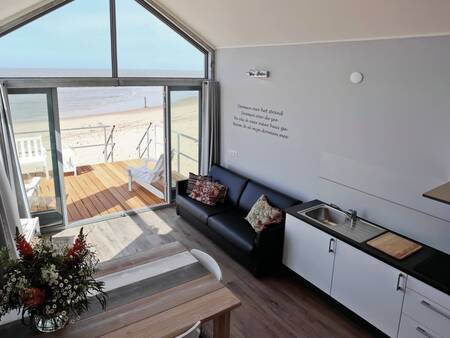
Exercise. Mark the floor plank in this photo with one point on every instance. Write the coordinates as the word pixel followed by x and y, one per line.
pixel 281 305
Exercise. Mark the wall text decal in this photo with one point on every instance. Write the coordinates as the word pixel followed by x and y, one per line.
pixel 261 120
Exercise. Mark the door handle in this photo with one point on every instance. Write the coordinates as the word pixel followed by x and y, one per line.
pixel 331 245
pixel 400 287
pixel 424 332
pixel 435 309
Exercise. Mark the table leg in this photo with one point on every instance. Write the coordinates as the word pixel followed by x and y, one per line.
pixel 222 326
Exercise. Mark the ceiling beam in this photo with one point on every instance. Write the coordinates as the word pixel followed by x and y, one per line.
pixel 29 14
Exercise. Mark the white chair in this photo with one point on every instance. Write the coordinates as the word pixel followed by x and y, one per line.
pixel 208 262
pixel 193 332
pixel 31 152
pixel 32 188
pixel 146 176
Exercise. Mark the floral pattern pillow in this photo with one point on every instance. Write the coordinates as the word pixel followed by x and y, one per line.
pixel 262 214
pixel 207 192
pixel 193 178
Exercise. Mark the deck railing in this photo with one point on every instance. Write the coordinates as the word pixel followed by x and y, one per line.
pixel 108 144
pixel 157 145
pixel 153 139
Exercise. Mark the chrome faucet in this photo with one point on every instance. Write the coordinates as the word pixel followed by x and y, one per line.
pixel 352 216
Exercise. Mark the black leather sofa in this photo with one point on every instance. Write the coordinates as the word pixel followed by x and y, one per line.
pixel 225 223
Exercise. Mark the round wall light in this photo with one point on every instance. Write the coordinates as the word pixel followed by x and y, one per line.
pixel 356 77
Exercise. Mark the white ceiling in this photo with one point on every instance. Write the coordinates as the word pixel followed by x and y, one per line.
pixel 227 23
pixel 10 9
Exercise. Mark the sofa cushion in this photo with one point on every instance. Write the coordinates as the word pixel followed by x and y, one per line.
pixel 234 182
pixel 193 179
pixel 232 226
pixel 207 192
pixel 263 214
pixel 200 210
pixel 254 190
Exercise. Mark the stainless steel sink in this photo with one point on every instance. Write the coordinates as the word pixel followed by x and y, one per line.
pixel 338 221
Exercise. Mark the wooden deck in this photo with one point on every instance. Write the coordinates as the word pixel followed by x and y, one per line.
pixel 98 189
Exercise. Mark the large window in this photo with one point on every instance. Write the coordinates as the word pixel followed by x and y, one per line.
pixel 71 41
pixel 75 41
pixel 147 47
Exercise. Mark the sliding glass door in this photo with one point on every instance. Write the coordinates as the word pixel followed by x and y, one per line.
pixel 184 115
pixel 36 133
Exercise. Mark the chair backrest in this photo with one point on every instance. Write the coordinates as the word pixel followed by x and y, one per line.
pixel 208 262
pixel 29 147
pixel 192 332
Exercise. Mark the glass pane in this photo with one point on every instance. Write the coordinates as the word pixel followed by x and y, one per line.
pixel 73 40
pixel 184 115
pixel 147 47
pixel 104 132
pixel 35 148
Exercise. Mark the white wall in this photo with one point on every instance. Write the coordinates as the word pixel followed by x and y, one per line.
pixel 377 145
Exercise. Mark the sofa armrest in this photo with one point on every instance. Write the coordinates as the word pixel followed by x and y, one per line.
pixel 272 236
pixel 182 187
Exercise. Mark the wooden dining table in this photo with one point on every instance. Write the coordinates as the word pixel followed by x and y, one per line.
pixel 161 292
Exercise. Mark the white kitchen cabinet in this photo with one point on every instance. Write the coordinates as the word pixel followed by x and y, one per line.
pixel 409 328
pixel 309 252
pixel 428 308
pixel 372 289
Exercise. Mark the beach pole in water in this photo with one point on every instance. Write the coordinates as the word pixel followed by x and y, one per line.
pixel 145 101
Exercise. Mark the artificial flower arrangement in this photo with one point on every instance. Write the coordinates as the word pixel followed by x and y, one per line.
pixel 48 284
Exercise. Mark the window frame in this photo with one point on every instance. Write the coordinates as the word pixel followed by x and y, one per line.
pixel 148 5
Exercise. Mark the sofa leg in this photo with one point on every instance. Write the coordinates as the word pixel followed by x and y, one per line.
pixel 177 211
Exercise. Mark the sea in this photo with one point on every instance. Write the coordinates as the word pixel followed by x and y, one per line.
pixel 78 102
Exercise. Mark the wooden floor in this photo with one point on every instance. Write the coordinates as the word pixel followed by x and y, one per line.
pixel 283 305
pixel 98 189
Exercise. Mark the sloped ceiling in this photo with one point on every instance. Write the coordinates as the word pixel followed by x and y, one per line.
pixel 228 23
pixel 11 9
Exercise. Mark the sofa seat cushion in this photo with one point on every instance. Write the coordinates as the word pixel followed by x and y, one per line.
pixel 200 210
pixel 233 227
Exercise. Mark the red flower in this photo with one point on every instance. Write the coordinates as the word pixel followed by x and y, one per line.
pixel 24 248
pixel 36 297
pixel 79 246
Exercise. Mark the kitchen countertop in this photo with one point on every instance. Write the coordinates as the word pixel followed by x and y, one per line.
pixel 428 265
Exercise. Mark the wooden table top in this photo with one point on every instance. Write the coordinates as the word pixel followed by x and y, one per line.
pixel 440 194
pixel 157 293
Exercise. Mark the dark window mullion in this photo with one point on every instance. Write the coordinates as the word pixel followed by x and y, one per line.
pixel 112 19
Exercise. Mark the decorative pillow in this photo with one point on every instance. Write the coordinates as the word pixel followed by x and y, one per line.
pixel 263 214
pixel 207 192
pixel 193 178
pixel 223 192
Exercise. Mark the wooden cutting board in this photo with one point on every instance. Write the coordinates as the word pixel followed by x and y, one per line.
pixel 394 245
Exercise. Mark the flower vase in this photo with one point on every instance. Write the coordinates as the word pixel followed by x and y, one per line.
pixel 48 325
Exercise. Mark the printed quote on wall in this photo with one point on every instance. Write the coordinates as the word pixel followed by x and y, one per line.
pixel 261 120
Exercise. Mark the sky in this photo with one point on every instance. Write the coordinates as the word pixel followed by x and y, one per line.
pixel 76 36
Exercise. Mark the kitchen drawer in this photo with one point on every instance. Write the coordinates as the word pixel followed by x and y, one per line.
pixel 409 328
pixel 427 312
pixel 429 292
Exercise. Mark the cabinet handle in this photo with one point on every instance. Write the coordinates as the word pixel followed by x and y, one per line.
pixel 424 332
pixel 435 309
pixel 330 246
pixel 399 287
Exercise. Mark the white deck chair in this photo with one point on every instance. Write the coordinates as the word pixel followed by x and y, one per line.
pixel 193 332
pixel 146 176
pixel 208 263
pixel 31 152
pixel 31 189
